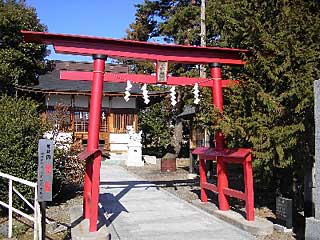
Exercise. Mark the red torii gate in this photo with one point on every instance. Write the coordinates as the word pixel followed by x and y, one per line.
pixel 100 49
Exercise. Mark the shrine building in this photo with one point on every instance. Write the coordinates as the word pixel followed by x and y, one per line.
pixel 74 96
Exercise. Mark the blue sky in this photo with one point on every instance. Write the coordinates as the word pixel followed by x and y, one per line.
pixel 103 18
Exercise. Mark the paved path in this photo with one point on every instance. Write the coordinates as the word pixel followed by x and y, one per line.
pixel 138 210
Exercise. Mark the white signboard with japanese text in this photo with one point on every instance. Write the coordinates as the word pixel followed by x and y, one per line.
pixel 45 170
pixel 162 71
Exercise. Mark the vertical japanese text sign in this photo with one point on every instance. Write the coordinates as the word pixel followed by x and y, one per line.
pixel 162 71
pixel 45 170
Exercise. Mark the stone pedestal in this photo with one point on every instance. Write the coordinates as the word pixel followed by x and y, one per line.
pixel 312 229
pixel 134 148
pixel 150 159
pixel 313 223
pixel 135 156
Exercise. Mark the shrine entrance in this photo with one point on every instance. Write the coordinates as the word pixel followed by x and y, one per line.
pixel 161 54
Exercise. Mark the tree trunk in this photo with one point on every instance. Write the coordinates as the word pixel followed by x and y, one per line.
pixel 177 137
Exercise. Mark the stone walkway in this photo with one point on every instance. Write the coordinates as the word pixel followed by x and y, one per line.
pixel 137 209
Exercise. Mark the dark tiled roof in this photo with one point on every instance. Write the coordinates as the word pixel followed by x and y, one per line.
pixel 187 111
pixel 50 82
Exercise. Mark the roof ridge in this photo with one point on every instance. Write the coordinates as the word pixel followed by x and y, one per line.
pixel 88 66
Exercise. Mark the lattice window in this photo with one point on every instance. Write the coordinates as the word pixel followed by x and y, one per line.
pixel 104 122
pixel 121 121
pixel 81 121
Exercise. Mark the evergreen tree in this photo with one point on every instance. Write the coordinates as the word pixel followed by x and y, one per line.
pixel 271 110
pixel 20 63
pixel 171 21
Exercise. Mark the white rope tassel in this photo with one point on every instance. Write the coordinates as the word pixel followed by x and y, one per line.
pixel 127 92
pixel 145 94
pixel 196 94
pixel 173 96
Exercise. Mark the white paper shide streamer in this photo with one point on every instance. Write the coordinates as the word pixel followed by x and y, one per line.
pixel 145 94
pixel 173 96
pixel 196 94
pixel 127 92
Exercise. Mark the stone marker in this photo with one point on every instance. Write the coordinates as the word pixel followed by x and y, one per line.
pixel 150 159
pixel 313 223
pixel 284 212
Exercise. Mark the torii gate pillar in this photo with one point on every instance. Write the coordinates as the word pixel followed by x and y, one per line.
pixel 217 99
pixel 92 174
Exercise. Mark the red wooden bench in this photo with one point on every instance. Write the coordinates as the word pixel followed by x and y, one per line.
pixel 223 157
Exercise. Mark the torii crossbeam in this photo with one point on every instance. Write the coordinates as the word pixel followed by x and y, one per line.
pixel 100 49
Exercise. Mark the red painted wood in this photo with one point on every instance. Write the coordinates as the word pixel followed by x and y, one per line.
pixel 217 100
pixel 238 155
pixel 86 154
pixel 142 78
pixel 85 45
pixel 222 184
pixel 94 208
pixel 223 157
pixel 87 197
pixel 217 87
pixel 228 153
pixel 95 103
pixel 234 193
pixel 200 150
pixel 92 176
pixel 157 55
pixel 248 185
pixel 209 186
pixel 203 180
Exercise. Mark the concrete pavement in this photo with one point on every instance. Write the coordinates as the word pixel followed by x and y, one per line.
pixel 136 209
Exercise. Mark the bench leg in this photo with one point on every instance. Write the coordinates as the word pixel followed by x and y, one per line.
pixel 222 184
pixel 248 184
pixel 203 179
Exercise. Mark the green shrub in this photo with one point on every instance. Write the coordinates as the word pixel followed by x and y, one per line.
pixel 21 129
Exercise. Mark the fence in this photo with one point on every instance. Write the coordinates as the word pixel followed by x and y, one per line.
pixel 36 218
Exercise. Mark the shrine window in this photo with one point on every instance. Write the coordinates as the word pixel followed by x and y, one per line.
pixel 81 121
pixel 120 121
pixel 104 122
